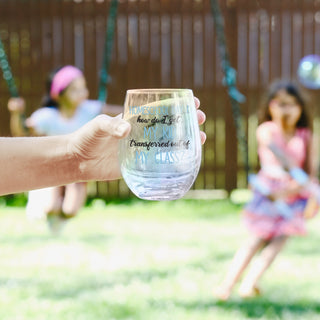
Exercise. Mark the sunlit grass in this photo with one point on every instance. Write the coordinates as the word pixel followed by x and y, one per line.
pixel 147 261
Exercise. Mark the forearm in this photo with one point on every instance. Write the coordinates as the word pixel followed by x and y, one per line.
pixel 313 156
pixel 17 125
pixel 31 163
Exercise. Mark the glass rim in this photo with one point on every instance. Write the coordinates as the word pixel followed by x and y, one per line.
pixel 159 90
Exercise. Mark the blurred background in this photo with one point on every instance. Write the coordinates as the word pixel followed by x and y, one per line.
pixel 162 43
pixel 128 259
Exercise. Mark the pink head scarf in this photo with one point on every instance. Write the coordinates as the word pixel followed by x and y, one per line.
pixel 62 79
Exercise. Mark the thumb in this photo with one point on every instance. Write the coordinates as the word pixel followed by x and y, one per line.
pixel 114 126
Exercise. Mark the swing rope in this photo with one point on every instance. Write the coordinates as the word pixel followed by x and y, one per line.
pixel 230 82
pixel 104 72
pixel 7 74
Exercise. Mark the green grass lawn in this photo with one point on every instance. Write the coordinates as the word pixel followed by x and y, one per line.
pixel 141 260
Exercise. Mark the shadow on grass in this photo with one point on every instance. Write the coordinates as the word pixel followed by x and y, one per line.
pixel 26 240
pixel 258 307
pixel 40 240
pixel 77 285
pixel 305 246
pixel 85 285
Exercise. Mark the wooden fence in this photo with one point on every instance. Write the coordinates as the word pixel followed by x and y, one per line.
pixel 165 43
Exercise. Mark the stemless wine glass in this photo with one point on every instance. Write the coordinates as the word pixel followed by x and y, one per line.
pixel 160 159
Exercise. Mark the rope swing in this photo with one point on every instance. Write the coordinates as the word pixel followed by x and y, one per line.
pixel 230 82
pixel 104 72
pixel 7 74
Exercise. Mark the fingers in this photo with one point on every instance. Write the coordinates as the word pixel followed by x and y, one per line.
pixel 197 102
pixel 29 123
pixel 201 117
pixel 122 129
pixel 16 104
pixel 203 137
pixel 115 127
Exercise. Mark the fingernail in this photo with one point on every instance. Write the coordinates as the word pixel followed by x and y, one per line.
pixel 122 128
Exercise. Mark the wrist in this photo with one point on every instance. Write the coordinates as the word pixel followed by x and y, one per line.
pixel 16 112
pixel 72 163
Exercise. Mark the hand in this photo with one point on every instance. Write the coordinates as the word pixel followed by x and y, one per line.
pixel 292 189
pixel 201 119
pixel 95 146
pixel 17 105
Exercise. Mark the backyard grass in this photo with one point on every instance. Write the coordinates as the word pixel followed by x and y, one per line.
pixel 139 260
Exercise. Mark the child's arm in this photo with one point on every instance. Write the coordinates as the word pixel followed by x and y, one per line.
pixel 313 156
pixel 261 187
pixel 267 138
pixel 301 178
pixel 311 162
pixel 16 106
pixel 285 161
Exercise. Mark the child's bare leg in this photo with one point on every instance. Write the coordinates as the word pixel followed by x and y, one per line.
pixel 54 207
pixel 240 261
pixel 267 256
pixel 54 203
pixel 74 199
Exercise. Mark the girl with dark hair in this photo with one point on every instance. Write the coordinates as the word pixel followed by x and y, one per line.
pixel 284 125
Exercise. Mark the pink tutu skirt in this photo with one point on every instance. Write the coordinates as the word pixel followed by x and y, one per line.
pixel 263 218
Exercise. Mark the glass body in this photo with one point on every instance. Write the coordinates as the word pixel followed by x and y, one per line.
pixel 160 159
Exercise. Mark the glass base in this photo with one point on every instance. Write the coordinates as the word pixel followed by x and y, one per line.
pixel 162 187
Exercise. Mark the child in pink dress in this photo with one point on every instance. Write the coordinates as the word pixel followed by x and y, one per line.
pixel 284 125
